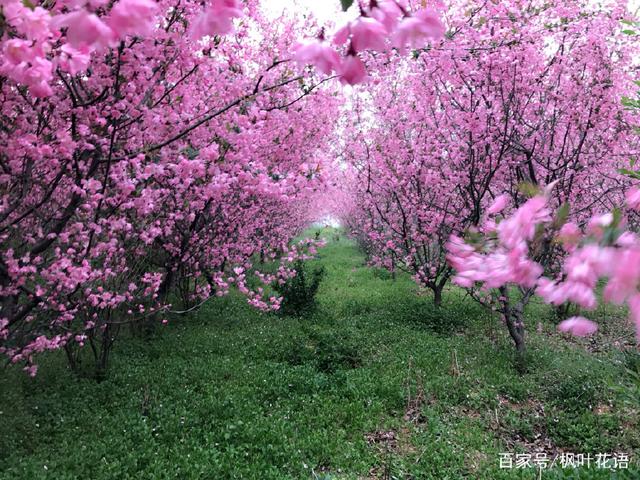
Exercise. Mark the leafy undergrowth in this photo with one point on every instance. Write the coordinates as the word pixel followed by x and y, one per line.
pixel 376 383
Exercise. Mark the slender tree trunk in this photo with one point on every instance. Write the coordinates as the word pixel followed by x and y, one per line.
pixel 149 324
pixel 101 341
pixel 438 288
pixel 393 267
pixel 437 296
pixel 514 318
pixel 72 358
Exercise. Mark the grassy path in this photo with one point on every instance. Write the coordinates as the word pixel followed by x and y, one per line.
pixel 375 384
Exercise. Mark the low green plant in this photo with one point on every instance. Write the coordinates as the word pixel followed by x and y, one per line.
pixel 327 351
pixel 299 293
pixel 576 391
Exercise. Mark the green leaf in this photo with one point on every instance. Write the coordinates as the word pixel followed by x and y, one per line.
pixel 346 4
pixel 529 189
pixel 629 173
pixel 617 217
pixel 474 238
pixel 629 32
pixel 562 215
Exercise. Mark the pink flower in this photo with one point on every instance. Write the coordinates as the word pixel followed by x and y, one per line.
pixel 498 204
pixel 459 251
pixel 634 307
pixel 133 17
pixel 40 90
pixel 588 264
pixel 36 75
pixel 569 235
pixel 34 23
pixel 521 227
pixel 40 71
pixel 627 239
pixel 523 271
pixel 368 34
pixel 342 35
pixel 352 70
pixel 415 30
pixel 578 293
pixel 624 277
pixel 578 326
pixel 387 13
pixel 4 332
pixel 318 53
pixel 548 290
pixel 17 51
pixel 598 223
pixel 583 269
pixel 85 29
pixel 217 19
pixel 633 198
pixel 74 60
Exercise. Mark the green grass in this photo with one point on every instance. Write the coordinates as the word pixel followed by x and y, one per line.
pixel 375 383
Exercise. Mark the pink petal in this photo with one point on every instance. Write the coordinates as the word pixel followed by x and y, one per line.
pixel 353 71
pixel 578 326
pixel 498 204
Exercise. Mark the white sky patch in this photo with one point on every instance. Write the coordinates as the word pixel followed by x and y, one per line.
pixel 326 11
pixel 330 11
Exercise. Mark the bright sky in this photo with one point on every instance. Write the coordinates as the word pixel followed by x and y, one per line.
pixel 329 10
pixel 324 10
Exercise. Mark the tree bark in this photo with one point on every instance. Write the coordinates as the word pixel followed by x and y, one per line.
pixel 438 288
pixel 514 318
pixel 437 296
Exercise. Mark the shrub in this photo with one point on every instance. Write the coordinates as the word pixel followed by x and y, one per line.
pixel 299 292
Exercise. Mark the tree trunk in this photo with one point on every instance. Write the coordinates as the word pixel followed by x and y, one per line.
pixel 438 288
pixel 514 318
pixel 101 341
pixel 72 357
pixel 149 323
pixel 437 296
pixel 393 268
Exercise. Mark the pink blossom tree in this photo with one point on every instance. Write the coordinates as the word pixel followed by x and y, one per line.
pixel 145 155
pixel 508 254
pixel 511 96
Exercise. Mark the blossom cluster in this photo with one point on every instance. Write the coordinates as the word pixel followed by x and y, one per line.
pixel 384 24
pixel 604 250
pixel 65 36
